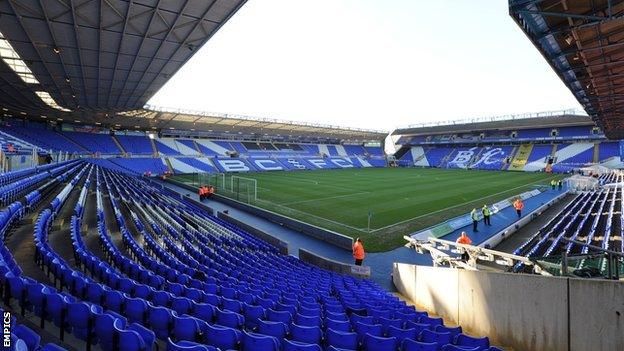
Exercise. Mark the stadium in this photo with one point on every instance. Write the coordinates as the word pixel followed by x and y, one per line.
pixel 129 226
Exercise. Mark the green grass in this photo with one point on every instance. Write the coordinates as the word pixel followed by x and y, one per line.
pixel 401 200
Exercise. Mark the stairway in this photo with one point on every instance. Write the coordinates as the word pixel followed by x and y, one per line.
pixel 402 151
pixel 168 163
pixel 197 148
pixel 521 157
pixel 554 150
pixel 119 145
pixel 155 150
pixel 596 157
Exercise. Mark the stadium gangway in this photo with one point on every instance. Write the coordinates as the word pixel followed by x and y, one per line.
pixel 436 248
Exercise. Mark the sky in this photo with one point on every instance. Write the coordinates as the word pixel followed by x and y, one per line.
pixel 375 64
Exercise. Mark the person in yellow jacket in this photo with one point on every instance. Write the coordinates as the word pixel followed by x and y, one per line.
pixel 475 219
pixel 486 215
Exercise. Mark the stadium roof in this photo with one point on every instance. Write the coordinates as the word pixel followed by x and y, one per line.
pixel 108 55
pixel 548 119
pixel 583 41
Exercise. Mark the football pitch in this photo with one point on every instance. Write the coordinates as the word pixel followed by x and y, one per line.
pixel 398 201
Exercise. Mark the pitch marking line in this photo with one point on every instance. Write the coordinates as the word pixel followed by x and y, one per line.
pixel 458 205
pixel 315 216
pixel 324 198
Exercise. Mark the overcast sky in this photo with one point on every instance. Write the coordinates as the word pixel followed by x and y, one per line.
pixel 368 63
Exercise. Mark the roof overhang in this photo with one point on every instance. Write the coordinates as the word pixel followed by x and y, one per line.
pixel 583 41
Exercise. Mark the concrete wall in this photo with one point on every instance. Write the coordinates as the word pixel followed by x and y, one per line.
pixel 334 266
pixel 525 312
pixel 281 245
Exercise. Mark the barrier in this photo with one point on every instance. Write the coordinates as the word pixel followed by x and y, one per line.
pixel 280 244
pixel 334 266
pixel 525 312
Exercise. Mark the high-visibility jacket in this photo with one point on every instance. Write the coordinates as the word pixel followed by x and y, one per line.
pixel 358 251
pixel 485 210
pixel 464 240
pixel 518 205
pixel 474 215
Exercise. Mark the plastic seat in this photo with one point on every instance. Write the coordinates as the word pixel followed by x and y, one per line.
pixel 130 340
pixel 204 311
pixel 252 315
pixel 431 336
pixel 181 305
pixel 187 346
pixel 342 340
pixel 288 345
pixel 401 334
pixel 255 342
pixel 276 329
pixel 451 347
pixel 362 319
pixel 79 318
pixel 185 328
pixel 413 345
pixel 30 337
pixel 418 326
pixel 454 331
pixel 279 316
pixel 104 326
pixel 386 323
pixel 308 335
pixel 340 317
pixel 52 347
pixel 135 310
pixel 362 329
pixel 378 343
pixel 224 338
pixel 113 300
pixel 307 321
pixel 338 325
pixel 432 321
pixel 229 319
pixel 148 336
pixel 470 341
pixel 231 305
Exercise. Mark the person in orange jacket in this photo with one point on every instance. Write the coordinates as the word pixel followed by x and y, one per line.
pixel 358 252
pixel 518 205
pixel 464 239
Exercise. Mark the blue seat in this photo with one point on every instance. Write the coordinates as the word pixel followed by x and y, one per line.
pixel 338 325
pixel 231 305
pixel 185 328
pixel 52 347
pixel 113 300
pixel 431 336
pixel 308 321
pixel 161 321
pixel 187 346
pixel 135 310
pixel 386 323
pixel 362 319
pixel 104 326
pixel 181 305
pixel 278 316
pixel 451 347
pixel 454 331
pixel 432 321
pixel 413 345
pixel 148 336
pixel 341 317
pixel 276 329
pixel 469 341
pixel 418 326
pixel 79 319
pixel 130 340
pixel 255 342
pixel 204 311
pixel 401 334
pixel 30 338
pixel 362 329
pixel 229 319
pixel 288 345
pixel 342 340
pixel 252 315
pixel 308 335
pixel 378 343
pixel 224 338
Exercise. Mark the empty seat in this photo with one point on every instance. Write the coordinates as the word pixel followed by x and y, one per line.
pixel 308 335
pixel 378 343
pixel 413 345
pixel 254 342
pixel 276 329
pixel 464 340
pixel 288 345
pixel 342 340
